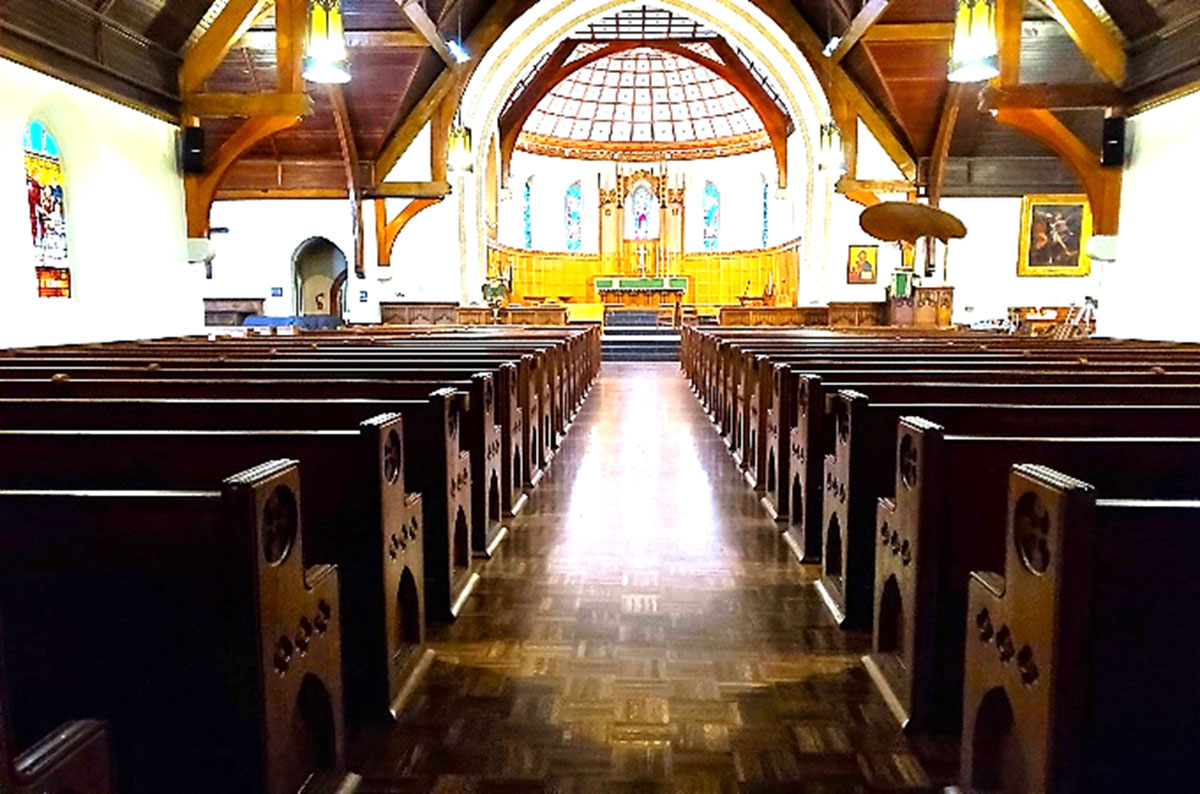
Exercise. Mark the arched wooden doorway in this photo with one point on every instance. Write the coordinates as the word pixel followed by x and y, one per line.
pixel 319 268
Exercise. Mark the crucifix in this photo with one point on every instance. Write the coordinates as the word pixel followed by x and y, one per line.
pixel 641 252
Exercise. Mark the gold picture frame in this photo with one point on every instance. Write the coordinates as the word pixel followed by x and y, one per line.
pixel 1055 229
pixel 862 265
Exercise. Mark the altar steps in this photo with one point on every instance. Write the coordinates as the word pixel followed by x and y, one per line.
pixel 640 344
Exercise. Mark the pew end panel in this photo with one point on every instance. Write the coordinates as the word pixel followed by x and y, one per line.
pixel 242 687
pixel 450 574
pixel 1080 655
pixel 805 528
pixel 906 656
pixel 382 563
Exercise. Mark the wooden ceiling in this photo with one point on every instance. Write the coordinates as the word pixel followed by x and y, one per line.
pixel 133 50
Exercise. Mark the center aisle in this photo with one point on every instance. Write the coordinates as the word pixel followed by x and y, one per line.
pixel 645 629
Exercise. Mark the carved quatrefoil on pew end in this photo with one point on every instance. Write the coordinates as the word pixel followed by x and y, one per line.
pixel 908 462
pixel 392 457
pixel 279 525
pixel 1031 533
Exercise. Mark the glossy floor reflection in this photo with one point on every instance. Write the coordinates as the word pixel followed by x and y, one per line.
pixel 645 629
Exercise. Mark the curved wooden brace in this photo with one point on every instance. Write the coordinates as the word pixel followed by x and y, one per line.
pixel 391 229
pixel 200 189
pixel 1102 185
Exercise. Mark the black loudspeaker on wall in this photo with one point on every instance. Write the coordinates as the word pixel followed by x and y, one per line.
pixel 1112 149
pixel 191 150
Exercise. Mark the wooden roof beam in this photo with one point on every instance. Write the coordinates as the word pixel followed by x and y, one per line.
pixel 388 230
pixel 1064 96
pixel 871 11
pixel 415 13
pixel 203 58
pixel 246 105
pixel 941 144
pixel 345 131
pixel 355 40
pixel 1009 15
pixel 909 31
pixel 1095 40
pixel 436 190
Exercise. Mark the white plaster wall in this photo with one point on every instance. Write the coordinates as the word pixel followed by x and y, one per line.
pixel 256 253
pixel 552 176
pixel 125 214
pixel 1150 291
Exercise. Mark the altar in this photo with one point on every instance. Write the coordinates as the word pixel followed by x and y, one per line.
pixel 650 291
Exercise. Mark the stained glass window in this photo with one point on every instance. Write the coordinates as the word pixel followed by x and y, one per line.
pixel 529 214
pixel 766 215
pixel 712 216
pixel 47 211
pixel 574 216
pixel 643 205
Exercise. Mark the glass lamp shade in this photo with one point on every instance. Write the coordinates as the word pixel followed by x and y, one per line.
pixel 830 156
pixel 325 57
pixel 974 54
pixel 461 158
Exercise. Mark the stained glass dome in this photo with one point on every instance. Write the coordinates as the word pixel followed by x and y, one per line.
pixel 643 103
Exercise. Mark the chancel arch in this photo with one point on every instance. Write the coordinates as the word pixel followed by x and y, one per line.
pixel 706 32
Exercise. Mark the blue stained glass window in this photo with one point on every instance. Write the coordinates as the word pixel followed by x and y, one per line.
pixel 712 216
pixel 529 214
pixel 574 216
pixel 766 226
pixel 643 205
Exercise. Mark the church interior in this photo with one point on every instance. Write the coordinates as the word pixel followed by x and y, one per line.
pixel 597 396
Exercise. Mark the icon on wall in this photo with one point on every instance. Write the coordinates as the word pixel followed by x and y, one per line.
pixel 862 267
pixel 276 292
pixel 362 296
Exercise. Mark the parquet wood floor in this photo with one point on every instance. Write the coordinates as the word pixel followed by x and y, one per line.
pixel 645 629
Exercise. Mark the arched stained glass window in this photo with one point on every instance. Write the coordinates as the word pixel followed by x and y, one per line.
pixel 47 211
pixel 528 214
pixel 643 205
pixel 573 209
pixel 766 212
pixel 712 216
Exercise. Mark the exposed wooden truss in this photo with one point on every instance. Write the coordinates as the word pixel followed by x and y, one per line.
pixel 208 52
pixel 355 40
pixel 1102 185
pixel 941 145
pixel 1095 40
pixel 201 189
pixel 415 13
pixel 345 130
pixel 436 190
pixel 386 231
pixel 247 105
pixel 909 31
pixel 1051 97
pixel 452 79
pixel 871 11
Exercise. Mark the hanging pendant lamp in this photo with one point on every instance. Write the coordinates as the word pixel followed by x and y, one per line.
pixel 974 55
pixel 325 57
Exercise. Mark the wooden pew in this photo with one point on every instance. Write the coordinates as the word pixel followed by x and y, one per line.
pixel 861 469
pixel 494 389
pixel 812 434
pixel 187 619
pixel 1081 650
pixel 358 515
pixel 947 519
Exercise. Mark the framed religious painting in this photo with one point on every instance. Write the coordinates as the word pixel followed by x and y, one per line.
pixel 1054 235
pixel 863 265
